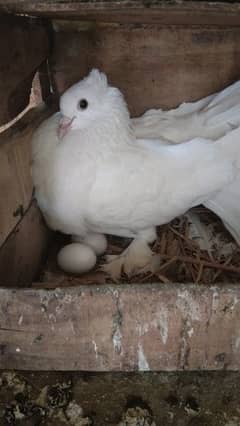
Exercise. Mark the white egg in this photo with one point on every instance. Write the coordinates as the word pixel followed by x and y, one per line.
pixel 76 258
pixel 98 242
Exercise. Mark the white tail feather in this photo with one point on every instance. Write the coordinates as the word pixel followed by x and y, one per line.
pixel 211 117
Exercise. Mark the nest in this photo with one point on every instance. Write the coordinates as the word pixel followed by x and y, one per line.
pixel 194 248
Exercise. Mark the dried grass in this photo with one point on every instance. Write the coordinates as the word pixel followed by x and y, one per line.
pixel 179 257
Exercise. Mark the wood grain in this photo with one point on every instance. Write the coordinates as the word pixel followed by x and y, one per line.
pixel 23 47
pixel 24 250
pixel 154 66
pixel 121 328
pixel 15 169
pixel 132 11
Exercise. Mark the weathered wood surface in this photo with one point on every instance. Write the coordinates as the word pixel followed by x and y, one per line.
pixel 121 328
pixel 15 169
pixel 154 66
pixel 24 46
pixel 150 11
pixel 25 248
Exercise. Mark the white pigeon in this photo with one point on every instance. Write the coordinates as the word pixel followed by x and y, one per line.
pixel 91 176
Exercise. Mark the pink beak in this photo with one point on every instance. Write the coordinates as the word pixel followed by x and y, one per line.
pixel 64 126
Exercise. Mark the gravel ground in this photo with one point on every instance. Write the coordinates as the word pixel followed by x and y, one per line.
pixel 147 399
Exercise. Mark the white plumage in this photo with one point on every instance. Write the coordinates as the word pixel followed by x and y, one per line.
pixel 211 117
pixel 98 178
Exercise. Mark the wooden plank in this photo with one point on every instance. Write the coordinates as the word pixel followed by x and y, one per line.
pixel 150 11
pixel 121 328
pixel 22 253
pixel 15 169
pixel 154 66
pixel 23 47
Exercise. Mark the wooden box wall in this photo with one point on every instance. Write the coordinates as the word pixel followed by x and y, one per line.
pixel 159 56
pixel 24 46
pixel 154 65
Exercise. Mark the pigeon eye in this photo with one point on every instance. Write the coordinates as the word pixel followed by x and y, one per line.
pixel 82 104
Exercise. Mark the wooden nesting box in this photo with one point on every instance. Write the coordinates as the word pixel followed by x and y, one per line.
pixel 159 54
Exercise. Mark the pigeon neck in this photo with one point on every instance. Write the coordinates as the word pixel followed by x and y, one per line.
pixel 113 130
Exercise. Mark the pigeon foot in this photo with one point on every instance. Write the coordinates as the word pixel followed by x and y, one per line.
pixel 134 260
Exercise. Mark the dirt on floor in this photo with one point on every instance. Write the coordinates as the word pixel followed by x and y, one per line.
pixel 146 399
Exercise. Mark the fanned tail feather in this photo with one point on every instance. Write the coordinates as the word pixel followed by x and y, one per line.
pixel 211 117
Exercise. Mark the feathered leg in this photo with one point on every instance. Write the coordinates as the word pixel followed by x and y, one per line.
pixel 134 259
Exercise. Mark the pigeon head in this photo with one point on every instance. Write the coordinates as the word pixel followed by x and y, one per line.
pixel 87 101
